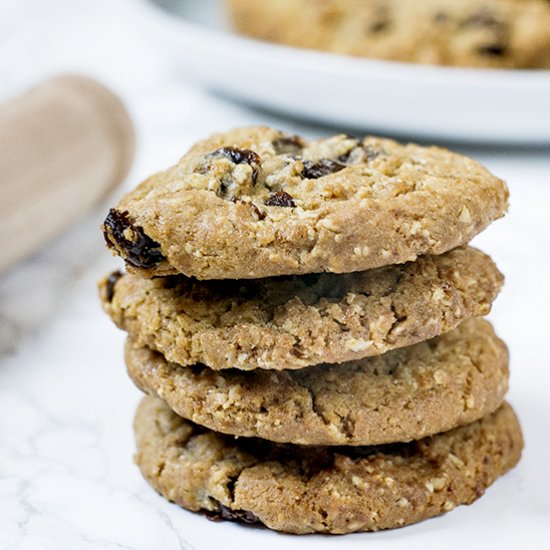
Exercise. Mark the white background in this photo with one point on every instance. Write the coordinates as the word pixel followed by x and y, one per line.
pixel 66 474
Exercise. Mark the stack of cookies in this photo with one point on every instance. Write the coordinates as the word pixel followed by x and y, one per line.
pixel 305 317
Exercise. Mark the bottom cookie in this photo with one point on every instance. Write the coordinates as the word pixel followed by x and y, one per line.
pixel 302 490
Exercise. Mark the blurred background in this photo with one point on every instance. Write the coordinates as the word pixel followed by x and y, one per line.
pixel 66 480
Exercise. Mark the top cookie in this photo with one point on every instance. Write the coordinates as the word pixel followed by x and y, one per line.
pixel 256 202
pixel 492 33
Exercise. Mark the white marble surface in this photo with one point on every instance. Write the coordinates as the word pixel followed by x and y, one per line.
pixel 66 475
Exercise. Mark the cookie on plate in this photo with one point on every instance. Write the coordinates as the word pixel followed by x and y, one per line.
pixel 492 33
pixel 402 395
pixel 294 322
pixel 255 202
pixel 322 489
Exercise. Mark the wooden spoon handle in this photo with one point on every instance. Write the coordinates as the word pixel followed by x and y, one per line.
pixel 63 146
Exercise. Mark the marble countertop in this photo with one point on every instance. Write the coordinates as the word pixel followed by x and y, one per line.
pixel 66 404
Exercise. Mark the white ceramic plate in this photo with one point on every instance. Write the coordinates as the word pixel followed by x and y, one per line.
pixel 394 98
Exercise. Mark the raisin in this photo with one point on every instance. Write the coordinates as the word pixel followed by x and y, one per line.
pixel 369 153
pixel 288 144
pixel 345 157
pixel 138 249
pixel 237 156
pixel 241 156
pixel 324 167
pixel 280 198
pixel 223 512
pixel 110 285
pixel 255 209
pixel 381 25
pixel 480 490
pixel 380 22
pixel 485 19
pixel 492 50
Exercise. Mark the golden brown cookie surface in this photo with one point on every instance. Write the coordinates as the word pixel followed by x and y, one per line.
pixel 492 33
pixel 255 202
pixel 295 322
pixel 322 489
pixel 401 395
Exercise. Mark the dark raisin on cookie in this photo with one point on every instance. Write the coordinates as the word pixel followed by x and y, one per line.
pixel 346 157
pixel 135 247
pixel 241 516
pixel 288 145
pixel 485 19
pixel 280 198
pixel 254 208
pixel 368 153
pixel 480 490
pixel 110 285
pixel 371 153
pixel 492 50
pixel 380 22
pixel 317 169
pixel 379 26
pixel 241 156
